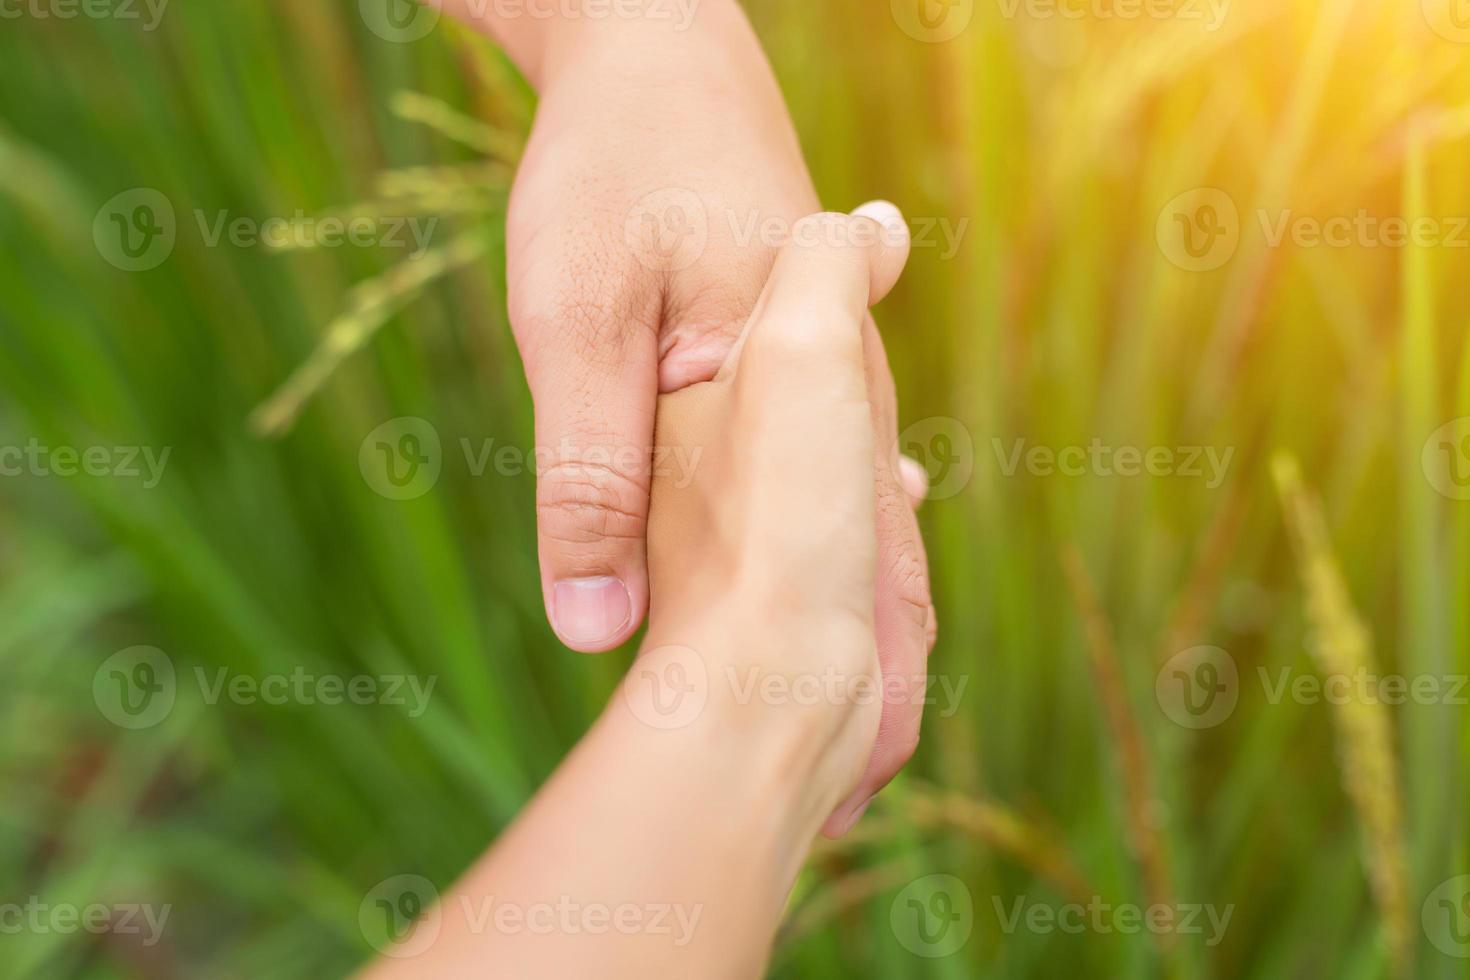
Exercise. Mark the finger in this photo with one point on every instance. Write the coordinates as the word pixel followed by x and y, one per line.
pixel 592 370
pixel 833 267
pixel 894 242
pixel 914 479
pixel 903 612
pixel 800 389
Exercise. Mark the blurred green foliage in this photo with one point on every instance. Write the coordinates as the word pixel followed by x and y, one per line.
pixel 1054 143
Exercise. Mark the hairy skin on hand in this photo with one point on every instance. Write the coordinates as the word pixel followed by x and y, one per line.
pixel 635 118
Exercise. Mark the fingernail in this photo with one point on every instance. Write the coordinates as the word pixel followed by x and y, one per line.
pixel 591 610
pixel 914 477
pixel 886 213
pixel 857 814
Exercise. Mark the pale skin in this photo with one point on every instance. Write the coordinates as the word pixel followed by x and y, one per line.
pixel 648 101
pixel 692 824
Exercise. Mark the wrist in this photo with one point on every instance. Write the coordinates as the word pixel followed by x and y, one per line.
pixel 761 787
pixel 556 42
pixel 791 706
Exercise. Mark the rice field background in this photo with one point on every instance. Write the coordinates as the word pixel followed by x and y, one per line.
pixel 1184 349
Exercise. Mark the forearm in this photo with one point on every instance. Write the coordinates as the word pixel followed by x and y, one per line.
pixel 664 846
pixel 545 38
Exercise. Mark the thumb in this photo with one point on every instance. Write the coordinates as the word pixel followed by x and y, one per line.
pixel 594 389
pixel 804 341
pixel 825 277
pixel 801 389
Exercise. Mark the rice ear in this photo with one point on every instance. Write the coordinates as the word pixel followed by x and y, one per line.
pixel 1341 643
pixel 369 306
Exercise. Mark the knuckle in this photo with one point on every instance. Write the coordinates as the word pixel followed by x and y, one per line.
pixel 905 742
pixel 593 320
pixel 823 227
pixel 903 571
pixel 582 502
pixel 837 238
pixel 719 304
pixel 819 222
pixel 807 336
pixel 701 322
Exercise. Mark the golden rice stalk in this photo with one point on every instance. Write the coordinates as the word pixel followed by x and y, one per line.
pixel 477 188
pixel 37 184
pixel 1341 644
pixel 454 179
pixel 1141 803
pixel 920 806
pixel 1202 582
pixel 304 234
pixel 1006 831
pixel 369 305
pixel 846 892
pixel 454 125
pixel 462 189
pixel 924 807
